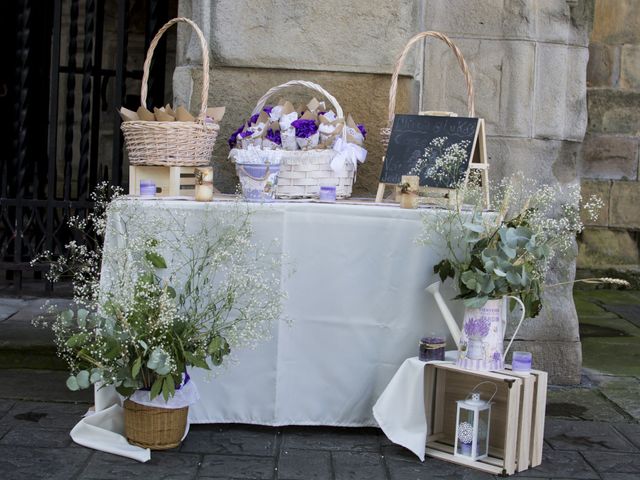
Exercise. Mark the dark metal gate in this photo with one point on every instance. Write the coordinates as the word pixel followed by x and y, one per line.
pixel 72 63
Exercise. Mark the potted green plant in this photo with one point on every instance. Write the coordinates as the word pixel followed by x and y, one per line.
pixel 170 296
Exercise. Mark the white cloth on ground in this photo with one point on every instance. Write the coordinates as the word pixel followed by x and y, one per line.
pixel 400 410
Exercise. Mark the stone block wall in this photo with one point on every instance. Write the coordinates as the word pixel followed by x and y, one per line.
pixel 611 151
pixel 528 61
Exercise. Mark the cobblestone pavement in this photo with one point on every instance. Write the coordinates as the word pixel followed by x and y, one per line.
pixel 592 430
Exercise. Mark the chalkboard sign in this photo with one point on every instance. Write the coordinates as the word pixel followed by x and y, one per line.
pixel 413 146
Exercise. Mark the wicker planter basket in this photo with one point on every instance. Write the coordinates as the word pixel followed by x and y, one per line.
pixel 386 131
pixel 154 428
pixel 302 172
pixel 174 144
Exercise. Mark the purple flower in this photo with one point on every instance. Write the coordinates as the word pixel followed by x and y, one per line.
pixel 254 118
pixel 476 327
pixel 246 133
pixel 274 136
pixel 497 357
pixel 234 137
pixel 363 130
pixel 304 128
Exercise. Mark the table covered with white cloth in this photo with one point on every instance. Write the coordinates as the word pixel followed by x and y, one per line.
pixel 356 309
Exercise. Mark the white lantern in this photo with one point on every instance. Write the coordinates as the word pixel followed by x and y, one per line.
pixel 473 419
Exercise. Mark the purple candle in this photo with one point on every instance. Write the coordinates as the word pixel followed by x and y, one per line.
pixel 521 362
pixel 328 193
pixel 147 188
pixel 432 348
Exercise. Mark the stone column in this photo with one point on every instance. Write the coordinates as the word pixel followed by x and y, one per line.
pixel 528 61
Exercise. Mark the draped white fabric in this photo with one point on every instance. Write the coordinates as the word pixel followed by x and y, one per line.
pixel 356 305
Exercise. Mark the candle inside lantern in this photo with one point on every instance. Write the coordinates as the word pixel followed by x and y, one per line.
pixel 521 362
pixel 204 184
pixel 327 193
pixel 432 348
pixel 147 188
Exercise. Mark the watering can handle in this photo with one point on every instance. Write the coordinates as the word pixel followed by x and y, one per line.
pixel 513 337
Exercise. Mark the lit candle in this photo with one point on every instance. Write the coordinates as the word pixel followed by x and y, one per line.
pixel 408 191
pixel 147 188
pixel 328 193
pixel 204 184
pixel 521 362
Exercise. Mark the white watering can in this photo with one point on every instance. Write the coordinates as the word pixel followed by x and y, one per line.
pixel 481 341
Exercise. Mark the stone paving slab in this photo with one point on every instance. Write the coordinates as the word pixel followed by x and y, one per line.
pixel 28 463
pixel 358 466
pixel 21 384
pixel 583 404
pixel 614 462
pixel 623 391
pixel 167 466
pixel 630 431
pixel 323 438
pixel 230 440
pixel 586 436
pixel 230 466
pixel 562 464
pixel 304 465
pixel 628 312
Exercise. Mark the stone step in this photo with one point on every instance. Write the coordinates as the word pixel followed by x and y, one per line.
pixel 23 345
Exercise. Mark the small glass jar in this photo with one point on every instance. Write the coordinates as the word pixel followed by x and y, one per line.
pixel 521 362
pixel 432 348
pixel 327 193
pixel 147 188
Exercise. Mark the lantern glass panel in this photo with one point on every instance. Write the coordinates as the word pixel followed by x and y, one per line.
pixel 465 432
pixel 483 432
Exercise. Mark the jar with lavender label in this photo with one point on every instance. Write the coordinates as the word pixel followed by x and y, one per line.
pixel 432 348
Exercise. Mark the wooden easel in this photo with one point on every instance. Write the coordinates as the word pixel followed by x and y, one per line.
pixel 479 149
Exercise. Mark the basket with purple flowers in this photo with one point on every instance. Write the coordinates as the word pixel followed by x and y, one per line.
pixel 317 147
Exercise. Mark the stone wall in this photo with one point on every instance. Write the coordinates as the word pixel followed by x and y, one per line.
pixel 611 148
pixel 529 66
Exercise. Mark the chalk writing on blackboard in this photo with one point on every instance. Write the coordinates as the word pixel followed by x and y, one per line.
pixel 411 147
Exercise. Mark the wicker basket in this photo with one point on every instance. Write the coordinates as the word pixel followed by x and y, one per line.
pixel 173 144
pixel 386 131
pixel 302 172
pixel 152 427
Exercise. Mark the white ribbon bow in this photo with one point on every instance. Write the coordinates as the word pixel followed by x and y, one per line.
pixel 348 153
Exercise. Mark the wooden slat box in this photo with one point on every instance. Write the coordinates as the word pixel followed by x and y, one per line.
pixel 170 181
pixel 517 416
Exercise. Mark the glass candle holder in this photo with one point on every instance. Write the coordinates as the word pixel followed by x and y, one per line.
pixel 147 188
pixel 327 193
pixel 521 362
pixel 204 184
pixel 432 348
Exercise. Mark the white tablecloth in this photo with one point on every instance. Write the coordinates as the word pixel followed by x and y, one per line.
pixel 357 306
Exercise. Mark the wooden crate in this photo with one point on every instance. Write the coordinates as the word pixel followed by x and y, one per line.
pixel 170 181
pixel 510 439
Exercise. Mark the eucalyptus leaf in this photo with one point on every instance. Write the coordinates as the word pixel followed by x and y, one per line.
pixel 96 375
pixel 135 368
pixel 82 317
pixel 474 227
pixel 72 383
pixel 67 317
pixel 82 378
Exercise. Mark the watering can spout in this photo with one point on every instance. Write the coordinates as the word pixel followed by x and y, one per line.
pixel 434 289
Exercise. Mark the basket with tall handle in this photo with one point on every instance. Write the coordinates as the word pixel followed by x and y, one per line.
pixel 385 132
pixel 302 172
pixel 174 144
pixel 479 146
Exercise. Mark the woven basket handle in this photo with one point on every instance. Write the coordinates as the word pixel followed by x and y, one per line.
pixel 205 63
pixel 302 83
pixel 400 62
